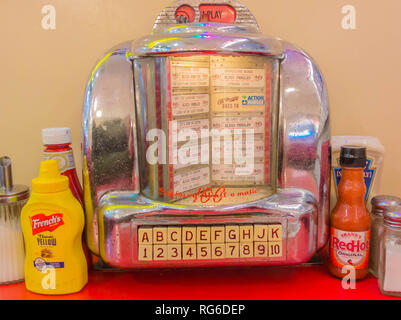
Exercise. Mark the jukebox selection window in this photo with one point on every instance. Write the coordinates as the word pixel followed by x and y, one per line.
pixel 210 242
pixel 224 95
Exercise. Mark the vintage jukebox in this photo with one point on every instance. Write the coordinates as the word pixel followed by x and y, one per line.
pixel 206 144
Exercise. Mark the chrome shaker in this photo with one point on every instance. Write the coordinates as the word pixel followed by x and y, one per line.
pixel 12 251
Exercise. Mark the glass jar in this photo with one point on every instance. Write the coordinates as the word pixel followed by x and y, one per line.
pixel 390 253
pixel 12 199
pixel 380 204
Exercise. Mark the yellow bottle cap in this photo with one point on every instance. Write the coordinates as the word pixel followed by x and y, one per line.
pixel 50 179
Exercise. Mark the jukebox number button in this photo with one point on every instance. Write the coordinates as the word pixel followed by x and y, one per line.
pixel 275 249
pixel 160 252
pixel 261 249
pixel 204 251
pixel 232 250
pixel 218 251
pixel 246 249
pixel 145 253
pixel 174 252
pixel 189 251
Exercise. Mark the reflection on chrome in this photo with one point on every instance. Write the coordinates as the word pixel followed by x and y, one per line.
pixel 205 76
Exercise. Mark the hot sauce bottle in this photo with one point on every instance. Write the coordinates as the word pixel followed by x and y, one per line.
pixel 350 219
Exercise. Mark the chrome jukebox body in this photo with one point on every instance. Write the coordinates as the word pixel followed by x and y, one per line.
pixel 206 144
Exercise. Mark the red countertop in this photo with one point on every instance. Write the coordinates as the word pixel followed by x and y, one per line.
pixel 301 282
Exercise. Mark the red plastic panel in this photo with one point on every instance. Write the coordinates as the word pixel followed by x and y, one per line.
pixel 217 13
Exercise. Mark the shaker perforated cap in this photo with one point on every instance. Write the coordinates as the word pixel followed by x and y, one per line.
pixel 392 216
pixel 381 203
pixel 353 156
pixel 56 136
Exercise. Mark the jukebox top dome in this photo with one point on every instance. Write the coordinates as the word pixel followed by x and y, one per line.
pixel 206 37
pixel 226 26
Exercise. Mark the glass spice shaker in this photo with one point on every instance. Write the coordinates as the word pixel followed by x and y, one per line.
pixel 379 205
pixel 12 251
pixel 390 253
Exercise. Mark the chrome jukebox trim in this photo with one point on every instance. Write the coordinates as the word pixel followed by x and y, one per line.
pixel 304 132
pixel 223 38
pixel 119 218
pixel 108 134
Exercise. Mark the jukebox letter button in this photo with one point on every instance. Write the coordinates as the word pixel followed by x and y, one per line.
pixel 160 235
pixel 275 232
pixel 260 232
pixel 203 235
pixel 145 236
pixel 246 233
pixel 217 234
pixel 189 235
pixel 174 235
pixel 232 234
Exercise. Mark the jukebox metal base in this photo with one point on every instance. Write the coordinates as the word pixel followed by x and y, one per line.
pixel 137 233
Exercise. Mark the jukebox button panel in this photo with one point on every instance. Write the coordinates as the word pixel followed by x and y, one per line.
pixel 183 244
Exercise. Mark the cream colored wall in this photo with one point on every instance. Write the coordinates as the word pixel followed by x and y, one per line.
pixel 43 73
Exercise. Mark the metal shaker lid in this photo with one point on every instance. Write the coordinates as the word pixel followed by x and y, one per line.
pixel 381 203
pixel 8 192
pixel 392 216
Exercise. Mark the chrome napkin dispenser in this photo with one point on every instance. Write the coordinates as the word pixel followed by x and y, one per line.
pixel 206 144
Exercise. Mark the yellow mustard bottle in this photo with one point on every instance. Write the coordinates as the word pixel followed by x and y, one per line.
pixel 52 223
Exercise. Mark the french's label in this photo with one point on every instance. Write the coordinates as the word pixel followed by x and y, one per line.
pixel 349 248
pixel 47 239
pixel 65 159
pixel 41 223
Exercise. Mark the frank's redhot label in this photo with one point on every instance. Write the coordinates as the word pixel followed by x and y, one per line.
pixel 349 248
